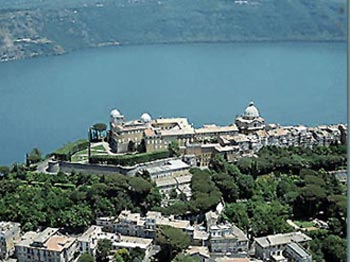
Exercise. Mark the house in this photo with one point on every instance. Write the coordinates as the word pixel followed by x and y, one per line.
pixel 273 246
pixel 46 246
pixel 9 234
pixel 199 251
pixel 227 239
pixel 296 253
pixel 88 241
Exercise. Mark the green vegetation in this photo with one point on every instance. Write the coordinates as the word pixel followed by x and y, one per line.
pixel 292 159
pixel 186 258
pixel 304 224
pixel 104 247
pixel 135 255
pixel 95 150
pixel 73 201
pixel 129 160
pixel 86 258
pixel 260 195
pixel 205 196
pixel 174 148
pixel 33 157
pixel 172 21
pixel 65 153
pixel 97 132
pixel 172 241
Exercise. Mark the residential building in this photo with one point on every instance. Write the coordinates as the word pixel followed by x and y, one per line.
pixel 9 234
pixel 199 251
pixel 227 239
pixel 273 246
pixel 171 168
pixel 297 253
pixel 211 133
pixel 46 246
pixel 88 241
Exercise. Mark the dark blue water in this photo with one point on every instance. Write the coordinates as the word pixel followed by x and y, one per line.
pixel 46 102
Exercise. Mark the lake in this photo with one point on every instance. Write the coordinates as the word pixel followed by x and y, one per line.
pixel 46 102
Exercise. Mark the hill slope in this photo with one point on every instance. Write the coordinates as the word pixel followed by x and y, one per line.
pixel 42 27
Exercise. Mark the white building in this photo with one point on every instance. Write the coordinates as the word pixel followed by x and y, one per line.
pixel 9 234
pixel 273 246
pixel 88 241
pixel 296 253
pixel 46 246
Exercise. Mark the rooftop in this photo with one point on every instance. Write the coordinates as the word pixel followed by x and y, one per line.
pixel 171 165
pixel 6 226
pixel 282 239
pixel 216 129
pixel 298 249
pixel 200 250
pixel 58 243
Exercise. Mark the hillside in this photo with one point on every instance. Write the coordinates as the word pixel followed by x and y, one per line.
pixel 31 28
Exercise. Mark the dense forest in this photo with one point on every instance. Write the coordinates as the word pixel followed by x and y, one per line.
pixel 260 194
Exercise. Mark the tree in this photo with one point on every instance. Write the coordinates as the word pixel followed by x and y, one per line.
pixel 122 255
pixel 172 241
pixel 137 255
pixel 104 247
pixel 97 131
pixel 86 257
pixel 174 148
pixel 334 249
pixel 186 258
pixel 246 185
pixel 237 213
pixel 227 186
pixel 34 156
pixel 4 171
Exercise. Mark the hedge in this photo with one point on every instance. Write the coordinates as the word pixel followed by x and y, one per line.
pixel 129 160
pixel 65 153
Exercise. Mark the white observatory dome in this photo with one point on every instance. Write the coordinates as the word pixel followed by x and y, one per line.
pixel 145 117
pixel 115 113
pixel 251 111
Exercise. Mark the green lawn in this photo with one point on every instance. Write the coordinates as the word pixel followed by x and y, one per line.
pixel 304 224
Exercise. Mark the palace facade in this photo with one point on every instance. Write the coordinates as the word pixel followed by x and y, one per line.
pixel 248 134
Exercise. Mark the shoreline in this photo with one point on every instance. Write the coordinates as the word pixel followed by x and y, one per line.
pixel 169 43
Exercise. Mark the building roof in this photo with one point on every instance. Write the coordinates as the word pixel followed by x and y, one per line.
pixel 153 214
pixel 8 226
pixel 298 249
pixel 184 179
pixel 133 242
pixel 145 117
pixel 169 166
pixel 251 111
pixel 239 138
pixel 43 236
pixel 115 113
pixel 181 224
pixel 91 232
pixel 59 243
pixel 149 132
pixel 27 238
pixel 198 250
pixel 200 235
pixel 232 259
pixel 282 239
pixel 165 181
pixel 216 129
pixel 278 132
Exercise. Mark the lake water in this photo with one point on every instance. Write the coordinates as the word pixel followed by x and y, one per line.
pixel 46 102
